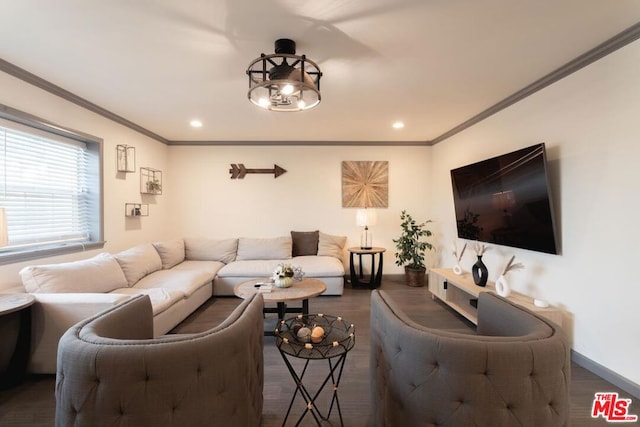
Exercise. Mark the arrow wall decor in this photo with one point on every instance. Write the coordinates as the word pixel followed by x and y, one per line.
pixel 238 171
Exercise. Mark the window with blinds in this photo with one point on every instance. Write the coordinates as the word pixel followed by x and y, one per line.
pixel 43 188
pixel 50 189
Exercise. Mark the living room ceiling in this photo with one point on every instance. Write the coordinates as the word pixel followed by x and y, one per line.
pixel 432 64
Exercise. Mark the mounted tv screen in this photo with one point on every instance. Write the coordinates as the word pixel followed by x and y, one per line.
pixel 505 200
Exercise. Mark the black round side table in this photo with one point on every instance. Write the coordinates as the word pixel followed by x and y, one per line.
pixel 339 337
pixel 15 337
pixel 358 280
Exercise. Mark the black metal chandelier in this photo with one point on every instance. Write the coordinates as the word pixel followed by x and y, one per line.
pixel 284 81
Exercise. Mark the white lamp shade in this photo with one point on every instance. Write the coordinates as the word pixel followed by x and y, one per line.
pixel 4 235
pixel 366 217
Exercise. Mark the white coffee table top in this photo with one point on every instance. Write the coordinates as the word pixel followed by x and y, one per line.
pixel 304 289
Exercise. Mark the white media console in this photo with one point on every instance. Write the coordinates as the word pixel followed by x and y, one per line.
pixel 461 294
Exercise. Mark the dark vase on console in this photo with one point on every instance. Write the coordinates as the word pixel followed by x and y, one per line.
pixel 480 272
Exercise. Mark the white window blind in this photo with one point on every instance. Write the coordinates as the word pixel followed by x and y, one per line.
pixel 43 187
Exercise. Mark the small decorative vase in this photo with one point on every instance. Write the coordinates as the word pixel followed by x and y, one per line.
pixel 283 282
pixel 480 272
pixel 457 269
pixel 502 286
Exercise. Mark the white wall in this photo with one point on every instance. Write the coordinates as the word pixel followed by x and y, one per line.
pixel 199 198
pixel 206 202
pixel 590 124
pixel 119 189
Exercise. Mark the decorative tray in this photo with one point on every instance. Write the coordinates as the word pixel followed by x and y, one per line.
pixel 315 336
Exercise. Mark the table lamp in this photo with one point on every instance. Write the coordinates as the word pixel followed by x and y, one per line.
pixel 364 218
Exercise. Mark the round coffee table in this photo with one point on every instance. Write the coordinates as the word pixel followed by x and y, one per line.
pixel 299 291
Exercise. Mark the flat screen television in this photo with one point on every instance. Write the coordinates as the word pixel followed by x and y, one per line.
pixel 505 200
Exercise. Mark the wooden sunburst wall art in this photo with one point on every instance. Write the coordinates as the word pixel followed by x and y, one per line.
pixel 365 184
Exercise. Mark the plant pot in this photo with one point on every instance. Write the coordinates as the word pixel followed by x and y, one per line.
pixel 414 276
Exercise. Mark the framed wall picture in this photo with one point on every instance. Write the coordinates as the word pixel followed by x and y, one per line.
pixel 125 158
pixel 365 184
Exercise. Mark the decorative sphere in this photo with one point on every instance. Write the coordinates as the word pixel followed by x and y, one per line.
pixel 304 334
pixel 317 334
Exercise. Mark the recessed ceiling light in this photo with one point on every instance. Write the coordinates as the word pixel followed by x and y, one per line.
pixel 398 125
pixel 196 124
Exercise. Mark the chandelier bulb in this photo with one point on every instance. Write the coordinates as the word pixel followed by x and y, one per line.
pixel 287 89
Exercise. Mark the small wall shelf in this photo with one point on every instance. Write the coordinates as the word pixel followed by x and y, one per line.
pixel 136 209
pixel 125 158
pixel 150 181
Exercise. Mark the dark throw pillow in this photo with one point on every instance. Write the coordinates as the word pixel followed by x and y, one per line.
pixel 305 242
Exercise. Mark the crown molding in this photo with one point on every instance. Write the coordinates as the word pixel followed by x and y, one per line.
pixel 45 85
pixel 618 41
pixel 303 143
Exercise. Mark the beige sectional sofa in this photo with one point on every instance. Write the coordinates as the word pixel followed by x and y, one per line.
pixel 177 275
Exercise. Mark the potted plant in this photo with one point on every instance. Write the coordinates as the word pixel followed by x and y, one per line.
pixel 154 186
pixel 411 250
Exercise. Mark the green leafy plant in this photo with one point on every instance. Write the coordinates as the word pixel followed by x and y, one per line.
pixel 411 249
pixel 154 186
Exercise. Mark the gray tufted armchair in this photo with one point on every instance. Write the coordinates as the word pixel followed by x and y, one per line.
pixel 111 371
pixel 514 372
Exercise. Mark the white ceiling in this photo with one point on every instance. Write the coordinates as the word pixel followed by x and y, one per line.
pixel 431 63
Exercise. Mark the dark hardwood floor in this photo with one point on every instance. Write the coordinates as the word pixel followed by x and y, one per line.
pixel 32 403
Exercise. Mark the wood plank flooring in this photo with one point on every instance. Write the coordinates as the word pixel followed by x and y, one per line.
pixel 32 403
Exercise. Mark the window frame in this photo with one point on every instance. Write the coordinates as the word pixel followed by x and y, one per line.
pixel 95 150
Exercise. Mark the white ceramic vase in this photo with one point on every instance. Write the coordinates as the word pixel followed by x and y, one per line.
pixel 457 269
pixel 502 286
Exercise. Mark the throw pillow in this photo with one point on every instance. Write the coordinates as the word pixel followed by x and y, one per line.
pixel 266 248
pixel 99 274
pixel 223 250
pixel 305 242
pixel 171 252
pixel 139 261
pixel 329 245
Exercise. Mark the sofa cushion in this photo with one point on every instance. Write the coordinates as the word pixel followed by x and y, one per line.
pixel 138 261
pixel 161 299
pixel 99 274
pixel 223 250
pixel 329 245
pixel 265 248
pixel 319 266
pixel 171 252
pixel 304 243
pixel 210 267
pixel 249 268
pixel 183 281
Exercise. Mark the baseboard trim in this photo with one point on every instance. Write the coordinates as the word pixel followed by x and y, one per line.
pixel 606 374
